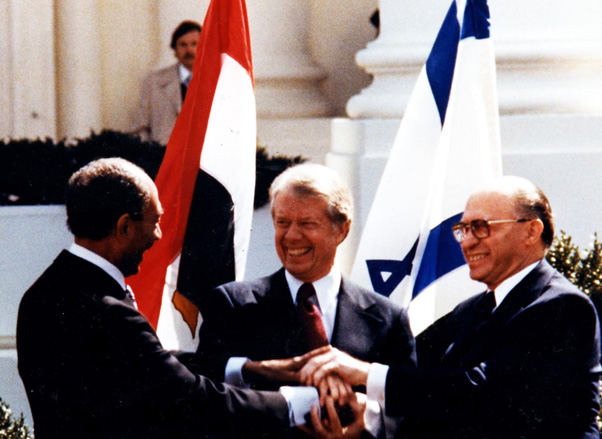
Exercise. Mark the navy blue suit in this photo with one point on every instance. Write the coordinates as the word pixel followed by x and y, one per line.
pixel 258 320
pixel 528 371
pixel 93 367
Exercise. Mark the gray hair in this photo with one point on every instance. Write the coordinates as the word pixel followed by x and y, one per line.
pixel 312 180
pixel 531 202
pixel 528 201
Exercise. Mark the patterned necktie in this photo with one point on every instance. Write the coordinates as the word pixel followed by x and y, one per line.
pixel 129 297
pixel 310 318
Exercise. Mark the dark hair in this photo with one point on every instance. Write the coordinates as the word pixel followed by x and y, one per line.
pixel 182 29
pixel 532 203
pixel 101 192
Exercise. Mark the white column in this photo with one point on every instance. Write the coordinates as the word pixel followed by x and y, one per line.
pixel 6 72
pixel 30 98
pixel 79 67
pixel 549 55
pixel 129 50
pixel 286 78
pixel 407 31
pixel 549 70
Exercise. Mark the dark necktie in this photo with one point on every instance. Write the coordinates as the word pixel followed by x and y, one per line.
pixel 310 319
pixel 466 349
pixel 183 89
pixel 489 303
pixel 485 309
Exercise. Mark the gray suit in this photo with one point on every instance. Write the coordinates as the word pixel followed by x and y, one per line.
pixel 159 106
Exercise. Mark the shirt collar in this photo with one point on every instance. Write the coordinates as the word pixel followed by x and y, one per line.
pixel 183 72
pixel 506 286
pixel 327 288
pixel 99 261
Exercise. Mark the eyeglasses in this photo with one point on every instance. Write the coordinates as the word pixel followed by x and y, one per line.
pixel 479 228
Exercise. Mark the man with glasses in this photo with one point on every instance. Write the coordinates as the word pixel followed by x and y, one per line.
pixel 520 360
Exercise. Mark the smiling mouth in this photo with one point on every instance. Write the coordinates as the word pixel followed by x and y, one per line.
pixel 298 252
pixel 475 258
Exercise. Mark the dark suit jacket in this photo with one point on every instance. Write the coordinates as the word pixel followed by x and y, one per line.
pixel 93 367
pixel 258 320
pixel 530 371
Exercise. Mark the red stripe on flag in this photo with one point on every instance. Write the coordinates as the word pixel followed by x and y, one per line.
pixel 225 30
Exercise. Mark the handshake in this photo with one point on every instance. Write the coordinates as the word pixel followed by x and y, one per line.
pixel 335 374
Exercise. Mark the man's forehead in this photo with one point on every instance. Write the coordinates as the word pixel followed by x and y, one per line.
pixel 487 205
pixel 187 35
pixel 289 203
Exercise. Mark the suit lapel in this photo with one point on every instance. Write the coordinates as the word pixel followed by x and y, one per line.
pixel 278 298
pixel 103 284
pixel 475 345
pixel 355 325
pixel 170 84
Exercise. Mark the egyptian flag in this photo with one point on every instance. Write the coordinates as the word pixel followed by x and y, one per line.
pixel 206 182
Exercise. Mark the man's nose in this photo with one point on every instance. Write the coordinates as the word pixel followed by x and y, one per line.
pixel 158 233
pixel 293 231
pixel 468 240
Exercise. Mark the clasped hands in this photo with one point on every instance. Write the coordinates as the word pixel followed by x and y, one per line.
pixel 333 373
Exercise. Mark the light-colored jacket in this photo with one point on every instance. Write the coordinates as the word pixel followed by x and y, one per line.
pixel 160 104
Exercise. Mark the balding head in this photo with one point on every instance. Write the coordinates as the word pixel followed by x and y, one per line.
pixel 507 226
pixel 529 202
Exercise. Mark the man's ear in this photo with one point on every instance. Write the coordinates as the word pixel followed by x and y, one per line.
pixel 343 231
pixel 534 231
pixel 124 223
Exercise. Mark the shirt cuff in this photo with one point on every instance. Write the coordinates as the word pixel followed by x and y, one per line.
pixel 375 385
pixel 373 419
pixel 300 400
pixel 233 373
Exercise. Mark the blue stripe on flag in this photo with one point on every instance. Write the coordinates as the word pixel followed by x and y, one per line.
pixel 397 269
pixel 442 59
pixel 442 254
pixel 476 20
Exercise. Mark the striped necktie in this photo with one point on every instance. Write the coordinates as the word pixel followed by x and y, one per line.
pixel 310 318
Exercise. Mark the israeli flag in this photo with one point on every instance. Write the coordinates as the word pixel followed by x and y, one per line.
pixel 447 146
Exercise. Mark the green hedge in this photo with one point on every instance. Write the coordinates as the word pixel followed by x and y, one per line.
pixel 35 172
pixel 11 427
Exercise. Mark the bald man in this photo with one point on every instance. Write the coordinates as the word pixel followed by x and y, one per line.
pixel 520 360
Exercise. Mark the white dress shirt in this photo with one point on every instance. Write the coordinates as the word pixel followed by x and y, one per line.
pixel 327 291
pixel 185 74
pixel 377 377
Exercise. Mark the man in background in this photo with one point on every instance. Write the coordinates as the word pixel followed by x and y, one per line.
pixel 163 91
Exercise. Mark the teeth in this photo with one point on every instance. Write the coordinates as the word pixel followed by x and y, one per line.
pixel 475 258
pixel 297 252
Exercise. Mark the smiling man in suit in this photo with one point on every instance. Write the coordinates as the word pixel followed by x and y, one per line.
pixel 163 90
pixel 520 360
pixel 91 364
pixel 252 331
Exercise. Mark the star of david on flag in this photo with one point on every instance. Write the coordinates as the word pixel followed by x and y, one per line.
pixel 448 145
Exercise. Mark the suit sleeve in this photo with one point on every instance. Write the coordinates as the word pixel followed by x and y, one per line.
pixel 543 366
pixel 203 404
pixel 142 124
pixel 400 346
pixel 219 321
